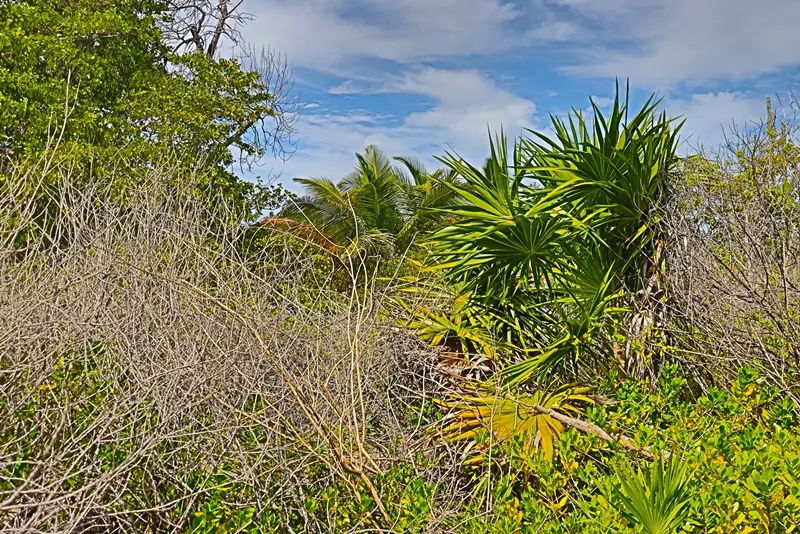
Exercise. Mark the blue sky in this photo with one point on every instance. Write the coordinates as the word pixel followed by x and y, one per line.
pixel 416 77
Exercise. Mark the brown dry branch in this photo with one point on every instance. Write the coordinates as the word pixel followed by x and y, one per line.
pixel 733 256
pixel 590 428
pixel 204 27
pixel 143 354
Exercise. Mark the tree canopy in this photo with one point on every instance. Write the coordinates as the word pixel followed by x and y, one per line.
pixel 104 81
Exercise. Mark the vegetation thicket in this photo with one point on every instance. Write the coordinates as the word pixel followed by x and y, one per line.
pixel 590 331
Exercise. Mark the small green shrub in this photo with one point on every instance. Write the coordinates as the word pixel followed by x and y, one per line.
pixel 739 448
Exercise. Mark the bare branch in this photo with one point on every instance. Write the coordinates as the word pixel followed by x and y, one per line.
pixel 203 25
pixel 732 256
pixel 138 364
pixel 271 131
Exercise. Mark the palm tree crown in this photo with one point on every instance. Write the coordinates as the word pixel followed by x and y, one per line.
pixel 376 198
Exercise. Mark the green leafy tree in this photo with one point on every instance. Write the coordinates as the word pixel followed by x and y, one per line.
pixel 105 82
pixel 75 58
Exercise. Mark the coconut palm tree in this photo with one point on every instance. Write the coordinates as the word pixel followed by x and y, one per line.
pixel 366 199
pixel 425 196
pixel 377 201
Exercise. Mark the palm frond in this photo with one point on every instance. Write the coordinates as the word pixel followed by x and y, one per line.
pixel 657 498
pixel 504 416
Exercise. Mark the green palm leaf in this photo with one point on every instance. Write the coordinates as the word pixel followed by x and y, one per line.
pixel 376 196
pixel 557 231
pixel 657 499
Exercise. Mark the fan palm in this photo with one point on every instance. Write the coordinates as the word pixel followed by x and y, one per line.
pixel 445 315
pixel 657 499
pixel 556 230
pixel 506 415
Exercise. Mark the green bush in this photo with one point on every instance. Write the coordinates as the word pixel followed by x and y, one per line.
pixel 739 447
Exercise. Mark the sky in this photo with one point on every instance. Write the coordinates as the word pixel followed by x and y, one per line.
pixel 418 77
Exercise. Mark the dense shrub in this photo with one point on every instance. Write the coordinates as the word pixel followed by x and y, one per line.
pixel 156 375
pixel 740 448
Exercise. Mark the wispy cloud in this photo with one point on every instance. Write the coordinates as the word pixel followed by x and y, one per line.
pixel 464 106
pixel 419 76
pixel 602 101
pixel 709 115
pixel 333 35
pixel 659 43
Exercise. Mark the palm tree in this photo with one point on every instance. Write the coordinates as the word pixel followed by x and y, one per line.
pixel 555 232
pixel 366 199
pixel 425 198
pixel 375 202
pixel 554 242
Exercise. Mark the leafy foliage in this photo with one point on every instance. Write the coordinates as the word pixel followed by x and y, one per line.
pixel 541 271
pixel 657 498
pixel 732 469
pixel 98 80
pixel 555 232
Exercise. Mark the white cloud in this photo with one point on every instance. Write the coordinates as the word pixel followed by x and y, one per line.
pixel 465 105
pixel 657 43
pixel 708 115
pixel 328 35
pixel 663 42
pixel 466 101
pixel 349 38
pixel 602 101
pixel 468 106
pixel 331 139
